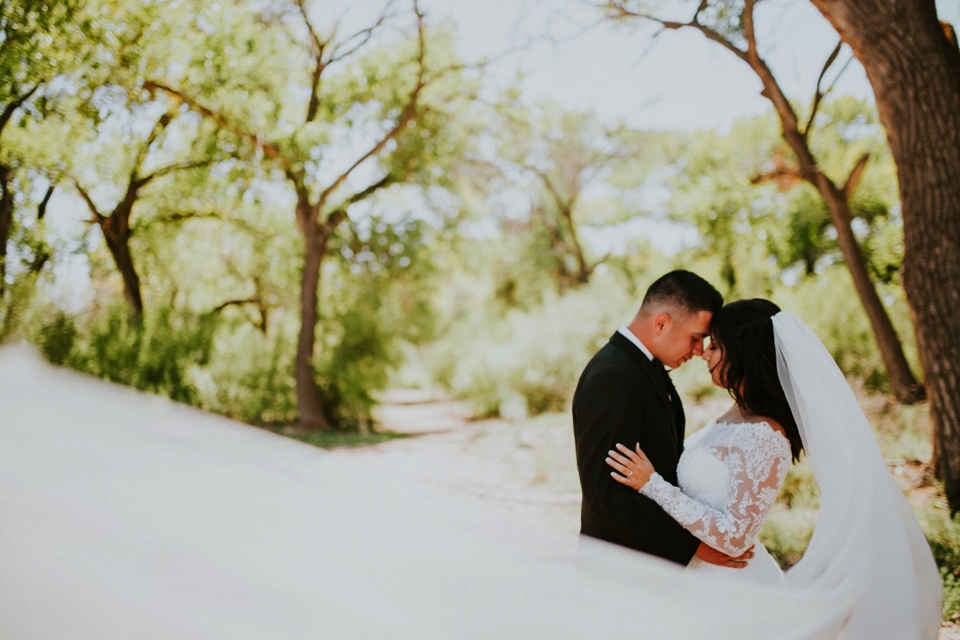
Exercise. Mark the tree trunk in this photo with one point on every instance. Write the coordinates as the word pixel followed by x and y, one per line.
pixel 116 233
pixel 915 73
pixel 312 416
pixel 6 221
pixel 905 386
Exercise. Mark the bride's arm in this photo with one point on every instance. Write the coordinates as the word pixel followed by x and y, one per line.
pixel 757 470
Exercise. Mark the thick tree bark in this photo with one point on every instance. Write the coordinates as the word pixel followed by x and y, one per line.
pixel 310 409
pixel 915 73
pixel 312 416
pixel 6 221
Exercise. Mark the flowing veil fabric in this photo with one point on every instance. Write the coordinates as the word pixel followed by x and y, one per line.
pixel 867 546
pixel 123 515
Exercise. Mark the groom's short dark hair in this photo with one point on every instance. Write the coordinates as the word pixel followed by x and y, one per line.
pixel 682 291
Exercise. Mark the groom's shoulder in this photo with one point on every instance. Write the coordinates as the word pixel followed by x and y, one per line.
pixel 618 349
pixel 612 356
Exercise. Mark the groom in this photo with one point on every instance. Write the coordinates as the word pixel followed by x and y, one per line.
pixel 625 396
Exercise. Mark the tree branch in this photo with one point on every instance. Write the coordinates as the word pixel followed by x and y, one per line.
pixel 749 29
pixel 180 216
pixel 618 8
pixel 11 108
pixel 319 65
pixel 254 300
pixel 819 95
pixel 42 209
pixel 97 216
pixel 196 164
pixel 406 115
pixel 269 150
pixel 385 181
pixel 855 175
pixel 362 37
pixel 224 305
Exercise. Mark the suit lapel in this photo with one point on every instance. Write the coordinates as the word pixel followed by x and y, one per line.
pixel 649 369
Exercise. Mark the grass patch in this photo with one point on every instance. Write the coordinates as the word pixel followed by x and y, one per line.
pixel 341 439
pixel 943 534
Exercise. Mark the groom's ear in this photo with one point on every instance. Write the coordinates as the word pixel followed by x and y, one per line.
pixel 661 322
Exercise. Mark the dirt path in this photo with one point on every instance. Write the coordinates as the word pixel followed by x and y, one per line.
pixel 522 477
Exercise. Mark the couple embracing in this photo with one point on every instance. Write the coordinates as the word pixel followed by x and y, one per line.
pixel 701 503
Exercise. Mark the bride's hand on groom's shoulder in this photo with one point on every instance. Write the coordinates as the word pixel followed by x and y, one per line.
pixel 631 468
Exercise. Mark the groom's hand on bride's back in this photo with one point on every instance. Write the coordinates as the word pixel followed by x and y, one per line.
pixel 708 554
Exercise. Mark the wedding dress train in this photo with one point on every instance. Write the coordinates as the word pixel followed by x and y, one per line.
pixel 130 516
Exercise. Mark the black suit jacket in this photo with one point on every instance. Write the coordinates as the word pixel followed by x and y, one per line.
pixel 622 397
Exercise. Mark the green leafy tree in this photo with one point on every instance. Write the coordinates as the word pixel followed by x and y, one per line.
pixel 43 47
pixel 128 163
pixel 361 112
pixel 731 25
pixel 558 157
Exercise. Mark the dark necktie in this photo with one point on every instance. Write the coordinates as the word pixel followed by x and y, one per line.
pixel 674 399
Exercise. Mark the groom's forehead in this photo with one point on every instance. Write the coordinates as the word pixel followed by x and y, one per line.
pixel 699 324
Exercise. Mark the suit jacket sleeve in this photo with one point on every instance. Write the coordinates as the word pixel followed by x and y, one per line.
pixel 605 413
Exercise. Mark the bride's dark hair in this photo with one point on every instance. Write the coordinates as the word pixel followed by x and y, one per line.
pixel 743 330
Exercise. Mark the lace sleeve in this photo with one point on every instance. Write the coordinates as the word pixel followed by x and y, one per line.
pixel 758 460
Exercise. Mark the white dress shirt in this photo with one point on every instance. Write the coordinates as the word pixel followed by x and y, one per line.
pixel 635 340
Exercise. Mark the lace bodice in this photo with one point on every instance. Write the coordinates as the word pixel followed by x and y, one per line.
pixel 729 476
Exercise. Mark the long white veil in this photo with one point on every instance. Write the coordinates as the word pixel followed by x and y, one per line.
pixel 867 546
pixel 124 515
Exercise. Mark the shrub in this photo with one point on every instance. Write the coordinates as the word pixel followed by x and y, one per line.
pixel 250 374
pixel 355 365
pixel 155 354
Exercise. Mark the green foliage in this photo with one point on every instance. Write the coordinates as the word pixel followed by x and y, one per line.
pixel 741 192
pixel 516 362
pixel 943 534
pixel 376 298
pixel 355 365
pixel 343 440
pixel 28 253
pixel 844 327
pixel 58 338
pixel 155 355
pixel 249 375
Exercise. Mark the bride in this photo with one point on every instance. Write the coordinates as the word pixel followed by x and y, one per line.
pixel 789 396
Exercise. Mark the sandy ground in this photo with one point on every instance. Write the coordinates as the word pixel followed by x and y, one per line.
pixel 524 479
pixel 523 476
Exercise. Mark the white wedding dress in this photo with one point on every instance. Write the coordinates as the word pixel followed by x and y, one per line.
pixel 730 474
